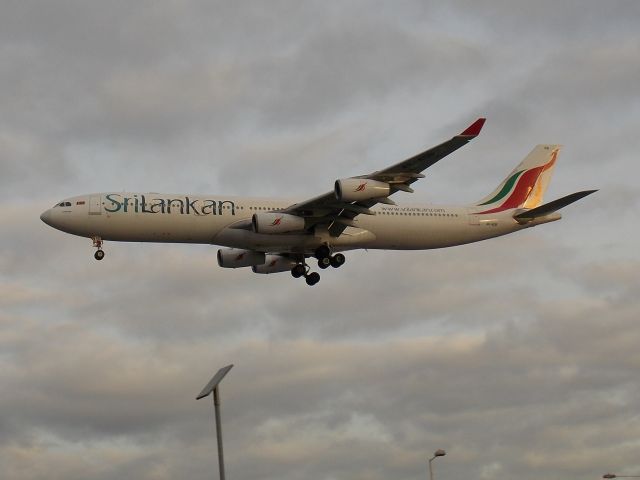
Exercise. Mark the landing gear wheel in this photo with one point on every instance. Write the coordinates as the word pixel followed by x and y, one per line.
pixel 324 262
pixel 97 243
pixel 312 278
pixel 337 260
pixel 322 252
pixel 298 271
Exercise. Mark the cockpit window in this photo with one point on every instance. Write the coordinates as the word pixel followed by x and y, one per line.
pixel 63 204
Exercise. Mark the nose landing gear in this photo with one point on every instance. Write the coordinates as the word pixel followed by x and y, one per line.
pixel 97 243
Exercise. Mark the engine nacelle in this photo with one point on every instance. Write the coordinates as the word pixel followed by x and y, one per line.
pixel 272 222
pixel 354 189
pixel 274 264
pixel 237 257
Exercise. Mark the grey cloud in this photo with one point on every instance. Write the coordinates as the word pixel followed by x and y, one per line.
pixel 361 64
pixel 517 355
pixel 613 278
pixel 540 23
pixel 386 383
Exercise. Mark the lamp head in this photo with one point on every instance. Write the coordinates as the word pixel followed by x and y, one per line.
pixel 439 453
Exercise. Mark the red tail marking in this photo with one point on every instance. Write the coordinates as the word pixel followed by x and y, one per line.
pixel 524 186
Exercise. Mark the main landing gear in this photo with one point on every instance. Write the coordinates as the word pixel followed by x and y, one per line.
pixel 325 259
pixel 312 278
pixel 97 242
pixel 302 270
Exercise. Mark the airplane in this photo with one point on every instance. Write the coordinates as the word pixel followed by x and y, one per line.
pixel 273 235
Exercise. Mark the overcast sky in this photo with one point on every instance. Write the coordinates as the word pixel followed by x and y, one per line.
pixel 519 355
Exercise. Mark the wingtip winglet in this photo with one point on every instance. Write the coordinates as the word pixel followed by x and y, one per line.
pixel 474 129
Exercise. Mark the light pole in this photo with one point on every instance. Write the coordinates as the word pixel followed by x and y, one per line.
pixel 212 387
pixel 613 475
pixel 436 454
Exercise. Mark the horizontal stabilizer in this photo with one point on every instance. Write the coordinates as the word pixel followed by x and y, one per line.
pixel 551 207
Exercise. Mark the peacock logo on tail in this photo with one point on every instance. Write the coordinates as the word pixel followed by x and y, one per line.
pixel 519 187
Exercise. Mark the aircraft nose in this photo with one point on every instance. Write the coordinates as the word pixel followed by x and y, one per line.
pixel 46 217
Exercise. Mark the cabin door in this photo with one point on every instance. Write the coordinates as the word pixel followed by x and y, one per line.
pixel 95 205
pixel 474 218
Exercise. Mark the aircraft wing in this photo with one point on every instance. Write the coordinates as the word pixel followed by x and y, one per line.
pixel 338 214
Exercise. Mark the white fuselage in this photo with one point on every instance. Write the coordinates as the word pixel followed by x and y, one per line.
pixel 179 218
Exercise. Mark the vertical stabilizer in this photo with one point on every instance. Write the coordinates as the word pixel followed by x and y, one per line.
pixel 524 187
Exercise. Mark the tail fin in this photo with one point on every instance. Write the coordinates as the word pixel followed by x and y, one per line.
pixel 526 184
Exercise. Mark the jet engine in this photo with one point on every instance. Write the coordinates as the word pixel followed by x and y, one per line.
pixel 272 222
pixel 354 189
pixel 275 264
pixel 236 258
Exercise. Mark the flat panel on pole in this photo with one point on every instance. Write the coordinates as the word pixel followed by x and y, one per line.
pixel 213 383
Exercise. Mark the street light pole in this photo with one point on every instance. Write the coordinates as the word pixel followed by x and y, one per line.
pixel 216 407
pixel 212 387
pixel 436 454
